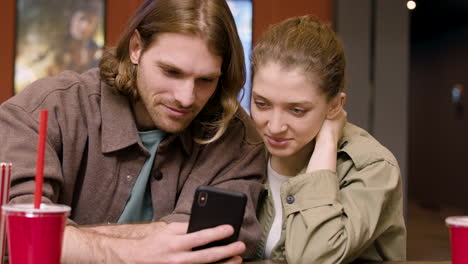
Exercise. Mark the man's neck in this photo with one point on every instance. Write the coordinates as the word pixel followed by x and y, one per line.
pixel 142 118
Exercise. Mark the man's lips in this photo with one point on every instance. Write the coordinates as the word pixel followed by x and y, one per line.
pixel 177 111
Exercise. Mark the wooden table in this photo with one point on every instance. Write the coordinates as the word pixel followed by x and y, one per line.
pixel 383 262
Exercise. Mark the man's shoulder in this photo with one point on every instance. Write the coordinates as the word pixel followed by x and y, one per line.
pixel 58 89
pixel 242 125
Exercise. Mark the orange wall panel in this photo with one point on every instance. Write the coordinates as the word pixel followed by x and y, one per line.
pixel 118 13
pixel 7 47
pixel 267 12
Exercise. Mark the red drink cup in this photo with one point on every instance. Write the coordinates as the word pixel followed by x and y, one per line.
pixel 5 173
pixel 458 226
pixel 35 235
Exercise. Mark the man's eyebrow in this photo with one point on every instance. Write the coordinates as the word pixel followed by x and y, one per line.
pixel 170 66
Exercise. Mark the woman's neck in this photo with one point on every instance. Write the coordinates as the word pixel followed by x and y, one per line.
pixel 293 164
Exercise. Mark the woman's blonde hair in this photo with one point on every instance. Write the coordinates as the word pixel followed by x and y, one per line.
pixel 307 43
pixel 208 19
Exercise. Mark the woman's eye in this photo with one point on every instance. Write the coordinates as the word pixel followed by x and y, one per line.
pixel 298 111
pixel 260 104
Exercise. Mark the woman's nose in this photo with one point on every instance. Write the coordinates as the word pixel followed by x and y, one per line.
pixel 276 125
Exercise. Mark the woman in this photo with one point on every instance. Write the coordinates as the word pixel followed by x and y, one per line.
pixel 334 193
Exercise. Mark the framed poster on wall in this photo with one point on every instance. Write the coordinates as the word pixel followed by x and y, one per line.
pixel 56 35
pixel 242 10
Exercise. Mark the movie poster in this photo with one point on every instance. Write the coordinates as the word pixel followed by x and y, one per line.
pixel 57 35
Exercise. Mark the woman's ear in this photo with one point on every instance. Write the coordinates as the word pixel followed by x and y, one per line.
pixel 336 105
pixel 135 47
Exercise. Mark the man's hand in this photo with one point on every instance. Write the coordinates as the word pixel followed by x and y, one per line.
pixel 172 244
pixel 159 243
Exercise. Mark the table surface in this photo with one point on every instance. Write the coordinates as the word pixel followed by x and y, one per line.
pixel 383 262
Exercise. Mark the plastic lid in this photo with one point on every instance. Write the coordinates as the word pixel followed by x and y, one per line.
pixel 457 221
pixel 29 208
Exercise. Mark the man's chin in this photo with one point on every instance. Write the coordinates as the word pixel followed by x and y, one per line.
pixel 172 127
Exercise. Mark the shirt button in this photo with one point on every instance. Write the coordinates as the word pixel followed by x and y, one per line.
pixel 158 175
pixel 129 177
pixel 290 199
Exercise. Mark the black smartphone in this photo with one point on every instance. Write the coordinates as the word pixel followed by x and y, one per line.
pixel 212 207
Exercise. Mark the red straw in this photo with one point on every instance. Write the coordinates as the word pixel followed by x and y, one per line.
pixel 40 159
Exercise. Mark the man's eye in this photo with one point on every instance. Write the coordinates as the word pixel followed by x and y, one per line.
pixel 207 80
pixel 172 72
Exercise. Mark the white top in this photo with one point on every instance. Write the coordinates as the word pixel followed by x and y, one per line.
pixel 275 181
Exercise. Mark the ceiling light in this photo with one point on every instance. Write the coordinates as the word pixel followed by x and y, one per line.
pixel 411 5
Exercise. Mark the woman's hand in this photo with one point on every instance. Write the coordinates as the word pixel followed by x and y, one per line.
pixel 326 143
pixel 332 129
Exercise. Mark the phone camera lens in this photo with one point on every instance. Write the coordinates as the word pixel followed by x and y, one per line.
pixel 202 198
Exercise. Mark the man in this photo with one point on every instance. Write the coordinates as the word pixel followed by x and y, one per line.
pixel 131 142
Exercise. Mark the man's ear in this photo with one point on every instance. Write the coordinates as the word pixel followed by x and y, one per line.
pixel 335 105
pixel 135 47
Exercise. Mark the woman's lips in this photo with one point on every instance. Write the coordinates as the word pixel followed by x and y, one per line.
pixel 277 142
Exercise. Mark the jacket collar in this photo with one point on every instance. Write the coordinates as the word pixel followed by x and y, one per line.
pixel 185 139
pixel 347 134
pixel 118 125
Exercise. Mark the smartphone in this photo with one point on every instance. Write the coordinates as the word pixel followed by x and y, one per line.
pixel 212 207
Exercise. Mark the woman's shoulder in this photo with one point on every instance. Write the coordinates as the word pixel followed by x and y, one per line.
pixel 363 148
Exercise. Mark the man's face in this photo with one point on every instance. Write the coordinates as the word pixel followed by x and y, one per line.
pixel 176 76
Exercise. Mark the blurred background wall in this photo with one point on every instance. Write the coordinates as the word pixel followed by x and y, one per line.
pixel 420 122
pixel 407 79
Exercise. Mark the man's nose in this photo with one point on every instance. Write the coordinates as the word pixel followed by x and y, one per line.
pixel 185 93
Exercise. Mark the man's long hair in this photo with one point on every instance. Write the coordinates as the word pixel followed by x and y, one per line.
pixel 210 20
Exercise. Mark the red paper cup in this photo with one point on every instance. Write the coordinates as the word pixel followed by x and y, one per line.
pixel 458 226
pixel 35 235
pixel 5 173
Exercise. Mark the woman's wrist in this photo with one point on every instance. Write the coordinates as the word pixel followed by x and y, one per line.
pixel 324 156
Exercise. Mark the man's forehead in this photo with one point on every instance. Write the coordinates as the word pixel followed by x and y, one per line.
pixel 185 52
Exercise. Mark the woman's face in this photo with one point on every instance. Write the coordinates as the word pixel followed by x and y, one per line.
pixel 287 108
